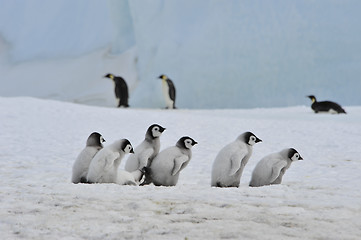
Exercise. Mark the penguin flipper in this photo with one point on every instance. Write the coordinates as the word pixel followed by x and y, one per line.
pixel 276 169
pixel 179 164
pixel 236 162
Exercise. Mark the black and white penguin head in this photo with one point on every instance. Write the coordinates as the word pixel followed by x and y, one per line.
pixel 154 131
pixel 126 146
pixel 294 155
pixel 186 142
pixel 250 138
pixel 164 77
pixel 109 75
pixel 95 139
pixel 313 98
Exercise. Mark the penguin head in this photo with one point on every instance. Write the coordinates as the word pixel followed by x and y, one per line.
pixel 163 77
pixel 313 98
pixel 250 138
pixel 126 146
pixel 154 131
pixel 109 75
pixel 186 142
pixel 95 139
pixel 294 155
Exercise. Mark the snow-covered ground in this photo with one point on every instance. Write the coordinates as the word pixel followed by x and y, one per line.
pixel 320 197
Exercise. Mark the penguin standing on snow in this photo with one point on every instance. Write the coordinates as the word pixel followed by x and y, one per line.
pixel 104 166
pixel 229 164
pixel 81 165
pixel 147 150
pixel 166 166
pixel 325 106
pixel 168 91
pixel 270 169
pixel 120 89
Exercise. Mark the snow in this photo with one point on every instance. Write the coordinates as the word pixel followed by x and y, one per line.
pixel 40 139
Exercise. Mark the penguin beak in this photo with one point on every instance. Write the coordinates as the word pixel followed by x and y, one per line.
pixel 258 140
pixel 300 158
pixel 132 151
pixel 162 130
pixel 194 143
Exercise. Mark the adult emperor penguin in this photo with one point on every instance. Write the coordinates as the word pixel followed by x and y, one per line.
pixel 166 166
pixel 229 163
pixel 271 168
pixel 325 106
pixel 120 90
pixel 81 165
pixel 168 91
pixel 147 150
pixel 104 166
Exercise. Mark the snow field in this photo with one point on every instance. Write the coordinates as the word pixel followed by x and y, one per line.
pixel 40 139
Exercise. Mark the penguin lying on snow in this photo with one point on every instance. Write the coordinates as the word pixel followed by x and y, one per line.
pixel 325 106
pixel 229 164
pixel 130 178
pixel 82 162
pixel 168 91
pixel 166 166
pixel 147 150
pixel 120 89
pixel 104 166
pixel 271 168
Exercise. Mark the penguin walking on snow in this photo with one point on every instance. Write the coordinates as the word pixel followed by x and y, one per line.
pixel 81 165
pixel 104 166
pixel 270 169
pixel 168 91
pixel 325 106
pixel 147 150
pixel 166 166
pixel 120 89
pixel 229 164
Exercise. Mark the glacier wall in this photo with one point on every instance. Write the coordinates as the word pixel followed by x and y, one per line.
pixel 220 54
pixel 226 54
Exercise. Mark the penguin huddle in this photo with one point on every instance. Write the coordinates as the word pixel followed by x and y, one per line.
pixel 147 164
pixel 98 164
pixel 122 94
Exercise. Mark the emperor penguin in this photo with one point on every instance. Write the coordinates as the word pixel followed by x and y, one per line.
pixel 270 169
pixel 104 166
pixel 229 163
pixel 120 90
pixel 147 150
pixel 81 165
pixel 325 106
pixel 168 91
pixel 166 166
pixel 130 178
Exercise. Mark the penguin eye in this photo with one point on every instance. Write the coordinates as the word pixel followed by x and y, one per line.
pixel 253 138
pixel 156 129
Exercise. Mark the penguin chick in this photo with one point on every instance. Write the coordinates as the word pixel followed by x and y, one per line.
pixel 271 168
pixel 168 91
pixel 166 166
pixel 104 166
pixel 231 160
pixel 130 178
pixel 82 162
pixel 147 150
pixel 120 90
pixel 325 106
